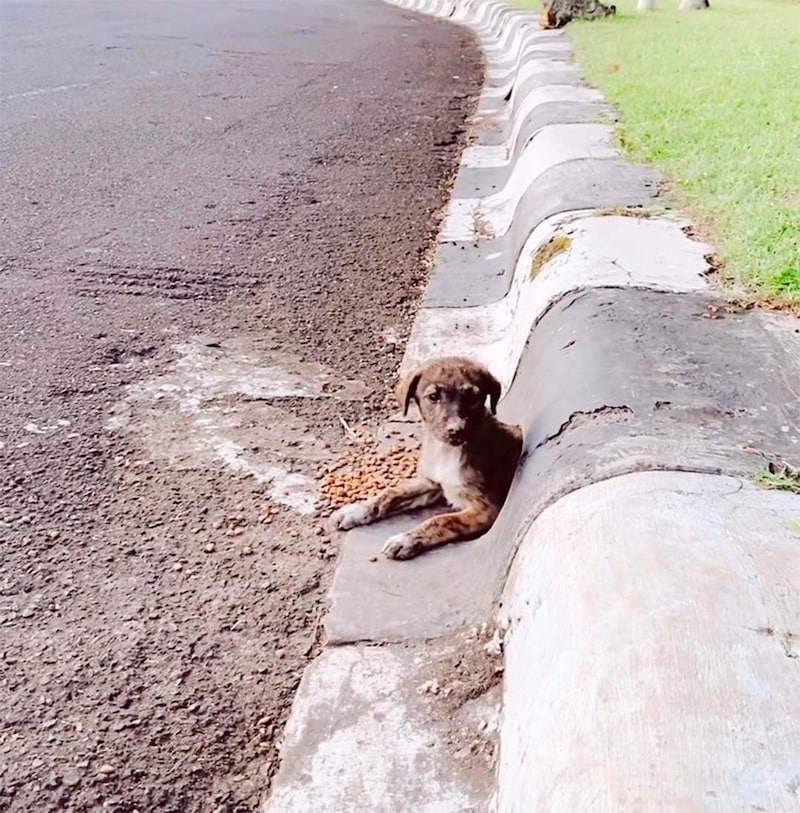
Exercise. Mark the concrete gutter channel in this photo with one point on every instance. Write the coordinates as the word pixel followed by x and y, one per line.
pixel 645 592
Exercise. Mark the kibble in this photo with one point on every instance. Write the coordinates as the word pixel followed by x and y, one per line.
pixel 364 472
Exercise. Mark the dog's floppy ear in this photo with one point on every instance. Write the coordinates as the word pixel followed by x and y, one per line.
pixel 491 387
pixel 407 389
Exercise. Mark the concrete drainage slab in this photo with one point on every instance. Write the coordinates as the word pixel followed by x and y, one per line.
pixel 391 728
pixel 650 623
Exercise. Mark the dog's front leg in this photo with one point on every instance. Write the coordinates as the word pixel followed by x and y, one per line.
pixel 406 495
pixel 439 530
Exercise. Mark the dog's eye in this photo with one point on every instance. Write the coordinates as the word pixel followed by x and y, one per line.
pixel 433 397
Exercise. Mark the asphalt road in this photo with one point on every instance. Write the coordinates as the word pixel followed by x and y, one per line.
pixel 215 223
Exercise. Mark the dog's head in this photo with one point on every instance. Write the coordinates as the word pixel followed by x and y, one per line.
pixel 450 394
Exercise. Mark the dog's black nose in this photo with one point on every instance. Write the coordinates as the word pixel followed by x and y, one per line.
pixel 456 435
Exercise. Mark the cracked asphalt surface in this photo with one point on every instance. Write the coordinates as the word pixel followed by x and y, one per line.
pixel 214 230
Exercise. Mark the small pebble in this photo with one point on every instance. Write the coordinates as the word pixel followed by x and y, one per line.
pixel 70 776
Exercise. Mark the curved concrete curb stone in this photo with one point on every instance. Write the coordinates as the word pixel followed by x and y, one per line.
pixel 616 380
pixel 479 272
pixel 491 216
pixel 608 251
pixel 652 592
pixel 651 652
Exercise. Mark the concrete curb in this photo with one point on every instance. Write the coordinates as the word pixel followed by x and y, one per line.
pixel 623 648
pixel 648 665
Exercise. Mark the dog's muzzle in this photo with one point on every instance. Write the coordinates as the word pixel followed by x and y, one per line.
pixel 455 435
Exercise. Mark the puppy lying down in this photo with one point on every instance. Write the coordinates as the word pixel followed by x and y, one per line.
pixel 468 459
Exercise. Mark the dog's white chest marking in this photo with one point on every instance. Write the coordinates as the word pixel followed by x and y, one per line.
pixel 442 464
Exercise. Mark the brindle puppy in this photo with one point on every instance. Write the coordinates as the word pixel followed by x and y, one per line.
pixel 468 458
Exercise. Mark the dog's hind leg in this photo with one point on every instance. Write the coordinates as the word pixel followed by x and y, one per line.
pixel 439 530
pixel 405 496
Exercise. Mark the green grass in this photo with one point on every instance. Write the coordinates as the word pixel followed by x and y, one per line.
pixel 712 98
pixel 793 525
pixel 781 477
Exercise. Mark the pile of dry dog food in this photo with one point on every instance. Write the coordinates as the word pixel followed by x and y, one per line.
pixel 363 472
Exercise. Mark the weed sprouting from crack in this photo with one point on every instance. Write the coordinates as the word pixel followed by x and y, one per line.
pixel 779 477
pixel 556 245
pixel 793 525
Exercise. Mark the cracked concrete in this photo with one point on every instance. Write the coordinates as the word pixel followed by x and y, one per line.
pixel 581 418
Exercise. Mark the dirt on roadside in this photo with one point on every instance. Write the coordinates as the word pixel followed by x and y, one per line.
pixel 161 574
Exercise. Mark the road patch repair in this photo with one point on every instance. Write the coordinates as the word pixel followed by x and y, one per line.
pixel 627 636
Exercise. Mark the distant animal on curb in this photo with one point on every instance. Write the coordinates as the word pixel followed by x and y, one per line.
pixel 468 458
pixel 557 13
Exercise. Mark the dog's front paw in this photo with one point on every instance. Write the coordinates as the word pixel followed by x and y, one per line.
pixel 351 516
pixel 401 546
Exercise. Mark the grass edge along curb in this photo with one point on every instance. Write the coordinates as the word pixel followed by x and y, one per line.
pixel 778 477
pixel 708 98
